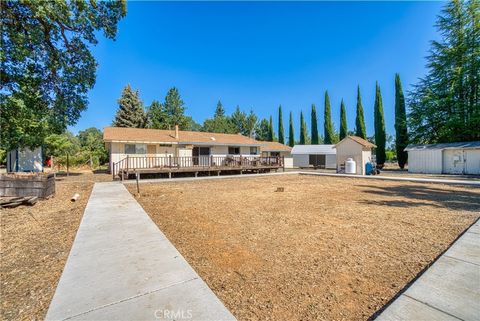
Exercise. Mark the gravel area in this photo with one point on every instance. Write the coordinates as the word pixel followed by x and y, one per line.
pixel 325 248
pixel 35 243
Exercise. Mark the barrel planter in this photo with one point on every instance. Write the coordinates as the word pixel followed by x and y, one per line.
pixel 41 185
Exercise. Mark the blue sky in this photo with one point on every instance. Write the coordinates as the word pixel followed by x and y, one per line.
pixel 261 54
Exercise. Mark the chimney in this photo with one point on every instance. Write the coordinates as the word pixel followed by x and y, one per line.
pixel 176 131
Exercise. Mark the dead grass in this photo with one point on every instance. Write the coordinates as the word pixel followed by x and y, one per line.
pixel 324 249
pixel 35 242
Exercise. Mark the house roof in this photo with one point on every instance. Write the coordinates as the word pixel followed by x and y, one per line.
pixel 359 140
pixel 463 145
pixel 274 147
pixel 158 136
pixel 314 149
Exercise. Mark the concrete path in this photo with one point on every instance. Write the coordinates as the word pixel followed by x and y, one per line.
pixel 122 267
pixel 448 290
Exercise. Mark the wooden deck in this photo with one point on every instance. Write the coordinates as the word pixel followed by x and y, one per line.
pixel 195 165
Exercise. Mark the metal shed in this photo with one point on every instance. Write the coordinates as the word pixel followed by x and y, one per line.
pixel 447 158
pixel 318 156
pixel 25 160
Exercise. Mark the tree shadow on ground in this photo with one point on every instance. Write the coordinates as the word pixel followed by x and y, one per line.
pixel 421 195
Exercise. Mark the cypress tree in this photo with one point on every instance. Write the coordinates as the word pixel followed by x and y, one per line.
pixel 130 111
pixel 314 126
pixel 327 125
pixel 343 121
pixel 291 134
pixel 271 134
pixel 281 134
pixel 360 129
pixel 380 134
pixel 401 134
pixel 303 130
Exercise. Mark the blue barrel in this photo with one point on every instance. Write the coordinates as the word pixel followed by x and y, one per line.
pixel 368 168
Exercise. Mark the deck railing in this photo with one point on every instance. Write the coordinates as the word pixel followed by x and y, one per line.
pixel 131 163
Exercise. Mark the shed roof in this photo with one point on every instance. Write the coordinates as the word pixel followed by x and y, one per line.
pixel 461 145
pixel 359 140
pixel 274 147
pixel 122 134
pixel 314 150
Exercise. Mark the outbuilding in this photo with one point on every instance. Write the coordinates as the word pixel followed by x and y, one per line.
pixel 447 158
pixel 276 149
pixel 317 156
pixel 356 148
pixel 25 160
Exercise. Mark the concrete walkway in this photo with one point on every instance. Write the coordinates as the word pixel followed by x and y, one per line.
pixel 448 290
pixel 122 267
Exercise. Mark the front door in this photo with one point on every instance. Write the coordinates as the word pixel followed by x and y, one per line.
pixel 201 155
pixel 151 153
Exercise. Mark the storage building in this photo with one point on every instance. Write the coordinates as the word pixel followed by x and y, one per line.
pixel 317 156
pixel 448 158
pixel 25 160
pixel 356 148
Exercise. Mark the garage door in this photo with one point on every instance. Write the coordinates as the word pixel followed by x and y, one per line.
pixel 472 161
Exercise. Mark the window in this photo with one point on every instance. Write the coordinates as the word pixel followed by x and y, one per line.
pixel 135 149
pixel 233 150
pixel 253 150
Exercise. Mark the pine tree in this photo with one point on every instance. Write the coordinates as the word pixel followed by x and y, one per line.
pixel 219 123
pixel 291 133
pixel 252 123
pixel 380 134
pixel 281 134
pixel 445 104
pixel 156 116
pixel 329 133
pixel 239 122
pixel 175 110
pixel 360 129
pixel 271 133
pixel 130 112
pixel 401 139
pixel 263 130
pixel 314 125
pixel 343 121
pixel 303 130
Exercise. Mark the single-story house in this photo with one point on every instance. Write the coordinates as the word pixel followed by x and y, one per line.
pixel 448 158
pixel 25 160
pixel 154 144
pixel 356 148
pixel 318 156
pixel 277 149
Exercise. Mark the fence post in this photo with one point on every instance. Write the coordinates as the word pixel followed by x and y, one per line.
pixel 170 160
pixel 127 163
pixel 283 163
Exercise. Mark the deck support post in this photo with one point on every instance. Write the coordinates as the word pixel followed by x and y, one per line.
pixel 169 174
pixel 196 174
pixel 241 172
pixel 218 173
pixel 137 176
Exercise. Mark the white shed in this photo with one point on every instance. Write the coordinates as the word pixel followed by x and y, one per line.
pixel 318 156
pixel 357 148
pixel 448 158
pixel 25 160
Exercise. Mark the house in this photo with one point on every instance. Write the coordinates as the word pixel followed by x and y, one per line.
pixel 356 148
pixel 278 149
pixel 448 158
pixel 318 156
pixel 25 160
pixel 167 151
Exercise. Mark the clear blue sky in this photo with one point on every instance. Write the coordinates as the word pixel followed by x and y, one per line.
pixel 261 54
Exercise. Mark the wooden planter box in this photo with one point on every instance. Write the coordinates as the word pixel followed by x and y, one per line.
pixel 36 184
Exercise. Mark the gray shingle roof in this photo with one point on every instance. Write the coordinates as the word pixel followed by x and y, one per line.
pixel 462 145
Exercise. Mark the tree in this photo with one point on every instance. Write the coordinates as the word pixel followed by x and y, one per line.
pixel 130 112
pixel 271 132
pixel 175 110
pixel 360 129
pixel 303 130
pixel 239 122
pixel 343 121
pixel 329 133
pixel 47 67
pixel 91 142
pixel 219 123
pixel 281 133
pixel 156 115
pixel 263 130
pixel 401 132
pixel 314 124
pixel 380 134
pixel 445 104
pixel 291 133
pixel 251 123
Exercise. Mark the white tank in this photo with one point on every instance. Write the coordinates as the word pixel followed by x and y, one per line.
pixel 350 166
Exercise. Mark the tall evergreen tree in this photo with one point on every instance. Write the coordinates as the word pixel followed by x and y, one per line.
pixel 360 128
pixel 329 132
pixel 445 104
pixel 251 123
pixel 271 133
pixel 343 121
pixel 291 133
pixel 401 139
pixel 281 134
pixel 175 110
pixel 303 130
pixel 380 133
pixel 156 116
pixel 314 125
pixel 219 123
pixel 239 122
pixel 263 130
pixel 130 111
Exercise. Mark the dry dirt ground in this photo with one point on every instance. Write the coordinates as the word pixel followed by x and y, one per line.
pixel 324 249
pixel 35 242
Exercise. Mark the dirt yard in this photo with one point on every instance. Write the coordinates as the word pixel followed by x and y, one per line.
pixel 324 249
pixel 35 242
